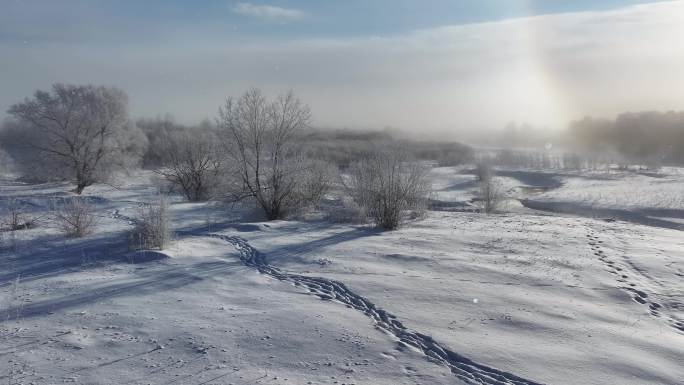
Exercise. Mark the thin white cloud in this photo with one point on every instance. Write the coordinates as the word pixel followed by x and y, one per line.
pixel 545 70
pixel 268 12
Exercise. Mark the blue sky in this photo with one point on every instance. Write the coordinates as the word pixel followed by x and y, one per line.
pixel 101 20
pixel 437 64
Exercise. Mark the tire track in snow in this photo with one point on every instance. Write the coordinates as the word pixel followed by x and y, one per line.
pixel 463 368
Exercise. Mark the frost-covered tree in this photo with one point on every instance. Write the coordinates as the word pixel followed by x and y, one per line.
pixel 262 145
pixel 191 162
pixel 77 133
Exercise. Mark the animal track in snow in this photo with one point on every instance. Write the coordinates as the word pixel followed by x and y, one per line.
pixel 327 289
pixel 638 295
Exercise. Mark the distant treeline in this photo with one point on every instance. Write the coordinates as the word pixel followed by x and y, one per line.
pixel 259 150
pixel 648 138
pixel 340 147
pixel 651 138
pixel 345 146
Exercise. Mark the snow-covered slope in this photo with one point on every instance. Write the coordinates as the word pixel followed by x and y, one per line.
pixel 547 298
pixel 456 297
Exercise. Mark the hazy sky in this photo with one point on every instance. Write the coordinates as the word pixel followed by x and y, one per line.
pixel 413 64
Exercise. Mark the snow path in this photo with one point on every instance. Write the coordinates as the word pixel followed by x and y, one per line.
pixel 327 289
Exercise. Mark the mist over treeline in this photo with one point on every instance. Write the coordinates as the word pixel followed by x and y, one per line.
pixel 339 146
pixel 32 139
pixel 344 146
pixel 649 138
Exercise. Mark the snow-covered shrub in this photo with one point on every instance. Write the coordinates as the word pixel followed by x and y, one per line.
pixel 386 185
pixel 153 227
pixel 75 217
pixel 490 194
pixel 15 217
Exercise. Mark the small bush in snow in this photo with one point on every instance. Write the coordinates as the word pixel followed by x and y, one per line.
pixel 153 227
pixel 386 185
pixel 490 194
pixel 76 217
pixel 15 217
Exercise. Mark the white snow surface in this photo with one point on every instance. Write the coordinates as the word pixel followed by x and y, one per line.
pixel 547 297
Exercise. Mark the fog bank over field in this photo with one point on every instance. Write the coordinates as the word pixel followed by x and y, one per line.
pixel 545 70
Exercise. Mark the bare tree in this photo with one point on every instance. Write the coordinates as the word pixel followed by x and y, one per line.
pixel 262 146
pixel 74 132
pixel 386 185
pixel 191 162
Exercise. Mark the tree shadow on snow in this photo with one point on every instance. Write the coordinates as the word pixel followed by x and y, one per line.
pixel 283 255
pixel 295 253
pixel 143 283
pixel 55 256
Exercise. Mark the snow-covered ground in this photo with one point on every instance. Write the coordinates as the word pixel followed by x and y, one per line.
pixel 624 191
pixel 525 296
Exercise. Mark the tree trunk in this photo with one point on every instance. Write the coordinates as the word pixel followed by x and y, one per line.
pixel 273 213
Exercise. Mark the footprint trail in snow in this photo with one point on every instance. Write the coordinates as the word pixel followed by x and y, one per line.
pixel 463 368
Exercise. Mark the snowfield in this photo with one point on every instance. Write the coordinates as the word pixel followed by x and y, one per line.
pixel 581 283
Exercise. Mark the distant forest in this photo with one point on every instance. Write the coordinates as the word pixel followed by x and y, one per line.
pixel 653 138
pixel 650 138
